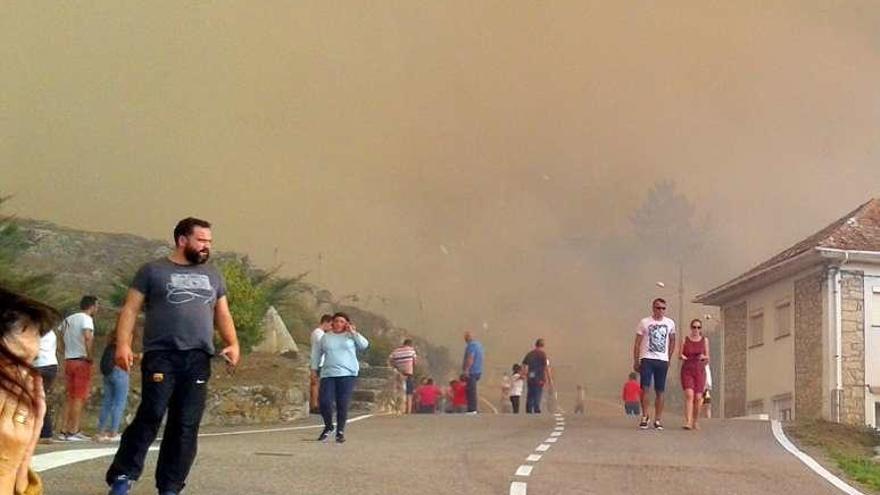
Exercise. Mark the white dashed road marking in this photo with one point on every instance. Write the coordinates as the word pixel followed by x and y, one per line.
pixel 520 487
pixel 517 488
pixel 524 470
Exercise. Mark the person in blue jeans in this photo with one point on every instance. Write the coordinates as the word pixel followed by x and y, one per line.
pixel 472 369
pixel 338 349
pixel 114 394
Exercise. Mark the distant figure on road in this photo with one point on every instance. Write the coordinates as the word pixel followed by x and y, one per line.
pixel 338 348
pixel 517 383
pixel 78 331
pixel 472 369
pixel 632 394
pixel 185 300
pixel 695 357
pixel 652 349
pixel 504 400
pixel 536 368
pixel 580 405
pixel 403 361
pixel 314 340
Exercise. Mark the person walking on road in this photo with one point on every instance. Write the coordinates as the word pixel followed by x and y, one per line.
pixel 79 336
pixel 472 369
pixel 631 395
pixel 695 356
pixel 338 349
pixel 314 339
pixel 403 361
pixel 536 368
pixel 653 346
pixel 185 300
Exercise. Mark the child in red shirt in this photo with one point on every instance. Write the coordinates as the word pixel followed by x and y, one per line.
pixel 632 395
pixel 458 389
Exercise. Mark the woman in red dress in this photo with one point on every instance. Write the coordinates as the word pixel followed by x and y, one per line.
pixel 694 355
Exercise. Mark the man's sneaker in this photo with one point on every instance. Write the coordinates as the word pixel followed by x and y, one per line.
pixel 324 434
pixel 62 437
pixel 658 425
pixel 643 424
pixel 340 437
pixel 121 485
pixel 78 437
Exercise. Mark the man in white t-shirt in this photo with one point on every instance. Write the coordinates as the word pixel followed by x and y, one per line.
pixel 652 350
pixel 78 332
pixel 314 340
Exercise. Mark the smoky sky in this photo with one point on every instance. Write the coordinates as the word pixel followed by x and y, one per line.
pixel 454 164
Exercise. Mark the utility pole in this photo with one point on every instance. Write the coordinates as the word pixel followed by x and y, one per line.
pixel 681 293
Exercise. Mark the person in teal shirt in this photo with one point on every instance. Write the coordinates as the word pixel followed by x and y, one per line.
pixel 338 348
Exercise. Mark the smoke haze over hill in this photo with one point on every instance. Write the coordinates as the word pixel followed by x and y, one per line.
pixel 454 164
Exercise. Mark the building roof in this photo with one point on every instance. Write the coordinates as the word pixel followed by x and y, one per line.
pixel 858 230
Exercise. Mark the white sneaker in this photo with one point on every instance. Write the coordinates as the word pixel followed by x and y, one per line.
pixel 78 437
pixel 113 438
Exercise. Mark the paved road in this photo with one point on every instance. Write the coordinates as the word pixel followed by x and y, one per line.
pixel 457 454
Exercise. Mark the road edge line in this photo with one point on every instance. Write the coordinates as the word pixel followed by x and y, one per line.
pixel 776 428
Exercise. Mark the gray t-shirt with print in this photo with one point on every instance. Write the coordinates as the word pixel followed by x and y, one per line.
pixel 179 304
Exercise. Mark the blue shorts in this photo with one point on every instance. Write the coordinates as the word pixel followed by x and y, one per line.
pixel 653 370
pixel 410 386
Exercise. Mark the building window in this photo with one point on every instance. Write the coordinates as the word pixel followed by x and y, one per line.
pixel 755 407
pixel 783 319
pixel 756 329
pixel 782 408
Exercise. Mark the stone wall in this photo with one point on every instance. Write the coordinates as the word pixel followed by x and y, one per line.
pixel 735 337
pixel 852 287
pixel 808 346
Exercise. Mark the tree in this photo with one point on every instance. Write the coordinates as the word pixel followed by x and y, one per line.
pixel 666 224
pixel 248 302
pixel 13 244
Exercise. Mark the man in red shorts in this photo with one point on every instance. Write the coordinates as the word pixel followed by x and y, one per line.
pixel 79 335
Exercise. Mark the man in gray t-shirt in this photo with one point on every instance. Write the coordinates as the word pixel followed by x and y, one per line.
pixel 184 299
pixel 180 301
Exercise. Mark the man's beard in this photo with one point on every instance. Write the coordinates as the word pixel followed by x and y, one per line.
pixel 196 257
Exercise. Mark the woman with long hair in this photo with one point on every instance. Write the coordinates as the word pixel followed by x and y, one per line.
pixel 338 348
pixel 22 399
pixel 694 355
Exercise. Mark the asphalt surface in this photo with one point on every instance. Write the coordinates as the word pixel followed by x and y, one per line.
pixel 600 453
